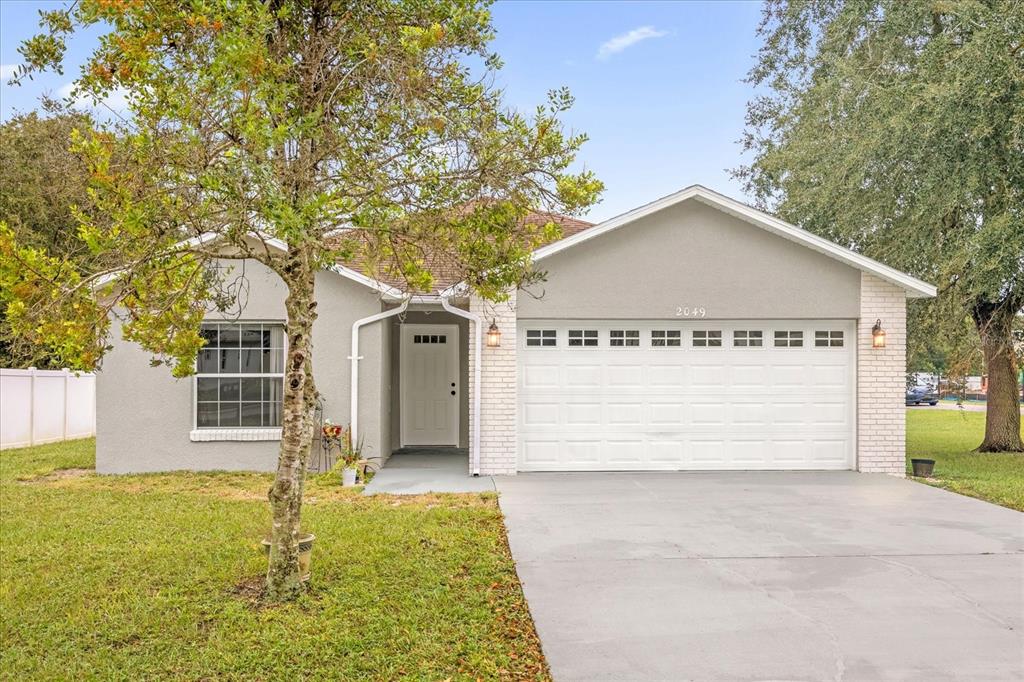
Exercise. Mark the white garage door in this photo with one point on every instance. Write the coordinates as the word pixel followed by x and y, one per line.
pixel 643 395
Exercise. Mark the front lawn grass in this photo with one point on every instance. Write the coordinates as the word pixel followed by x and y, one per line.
pixel 154 576
pixel 949 437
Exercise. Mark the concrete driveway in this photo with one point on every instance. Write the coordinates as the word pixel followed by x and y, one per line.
pixel 767 576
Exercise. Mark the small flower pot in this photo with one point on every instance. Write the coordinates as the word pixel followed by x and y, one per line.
pixel 348 476
pixel 305 554
pixel 923 467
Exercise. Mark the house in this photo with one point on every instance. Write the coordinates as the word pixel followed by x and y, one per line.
pixel 693 332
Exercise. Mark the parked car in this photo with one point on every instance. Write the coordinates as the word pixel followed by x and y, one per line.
pixel 916 396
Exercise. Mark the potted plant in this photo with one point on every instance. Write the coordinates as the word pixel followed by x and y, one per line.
pixel 305 553
pixel 350 462
pixel 350 459
pixel 922 467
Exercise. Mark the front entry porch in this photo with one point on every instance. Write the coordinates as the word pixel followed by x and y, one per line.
pixel 418 470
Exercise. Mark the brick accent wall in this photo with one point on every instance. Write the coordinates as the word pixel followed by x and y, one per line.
pixel 881 379
pixel 498 386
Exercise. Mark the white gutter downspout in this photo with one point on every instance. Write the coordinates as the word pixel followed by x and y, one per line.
pixel 474 448
pixel 356 357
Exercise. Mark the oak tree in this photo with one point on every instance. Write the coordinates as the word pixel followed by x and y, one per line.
pixel 897 129
pixel 298 133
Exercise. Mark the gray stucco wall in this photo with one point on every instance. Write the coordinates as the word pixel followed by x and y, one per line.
pixel 692 254
pixel 429 317
pixel 144 416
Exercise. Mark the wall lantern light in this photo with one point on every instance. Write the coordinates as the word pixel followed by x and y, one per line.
pixel 877 335
pixel 493 335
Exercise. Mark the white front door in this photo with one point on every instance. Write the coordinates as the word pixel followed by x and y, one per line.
pixel 669 395
pixel 430 384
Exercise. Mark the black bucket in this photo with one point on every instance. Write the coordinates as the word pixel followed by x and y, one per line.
pixel 923 467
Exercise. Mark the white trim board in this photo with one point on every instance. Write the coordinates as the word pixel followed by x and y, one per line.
pixel 914 287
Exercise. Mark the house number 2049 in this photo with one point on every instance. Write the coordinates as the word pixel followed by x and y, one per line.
pixel 695 311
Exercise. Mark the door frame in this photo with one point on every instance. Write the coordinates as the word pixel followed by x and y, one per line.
pixel 406 331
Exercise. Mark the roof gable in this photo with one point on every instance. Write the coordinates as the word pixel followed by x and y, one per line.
pixel 914 287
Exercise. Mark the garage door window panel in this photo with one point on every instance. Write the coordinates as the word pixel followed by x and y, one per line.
pixel 541 338
pixel 621 338
pixel 663 338
pixel 583 337
pixel 828 339
pixel 707 338
pixel 789 339
pixel 747 338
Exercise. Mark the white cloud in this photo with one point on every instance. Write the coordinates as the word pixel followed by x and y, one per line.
pixel 115 100
pixel 621 42
pixel 7 71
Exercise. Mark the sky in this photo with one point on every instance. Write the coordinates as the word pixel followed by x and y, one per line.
pixel 658 85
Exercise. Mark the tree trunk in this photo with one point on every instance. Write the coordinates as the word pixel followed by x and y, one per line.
pixel 1002 413
pixel 283 578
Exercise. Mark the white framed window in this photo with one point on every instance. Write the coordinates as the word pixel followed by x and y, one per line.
pixel 789 339
pixel 828 339
pixel 661 338
pixel 541 337
pixel 624 337
pixel 704 338
pixel 582 337
pixel 747 338
pixel 239 376
pixel 429 338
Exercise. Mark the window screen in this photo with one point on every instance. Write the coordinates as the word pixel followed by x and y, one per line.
pixel 238 375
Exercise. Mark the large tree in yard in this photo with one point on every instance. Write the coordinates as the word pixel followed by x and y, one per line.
pixel 297 133
pixel 897 128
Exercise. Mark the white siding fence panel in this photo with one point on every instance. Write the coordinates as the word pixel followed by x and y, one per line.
pixel 45 406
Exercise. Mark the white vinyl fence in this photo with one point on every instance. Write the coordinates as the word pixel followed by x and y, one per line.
pixel 45 406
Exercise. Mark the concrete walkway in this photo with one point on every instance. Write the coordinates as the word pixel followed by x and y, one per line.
pixel 413 471
pixel 767 576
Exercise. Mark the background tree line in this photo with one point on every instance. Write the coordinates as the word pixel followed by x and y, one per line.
pixel 41 181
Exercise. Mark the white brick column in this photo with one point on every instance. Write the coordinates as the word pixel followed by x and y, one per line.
pixel 497 388
pixel 881 379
